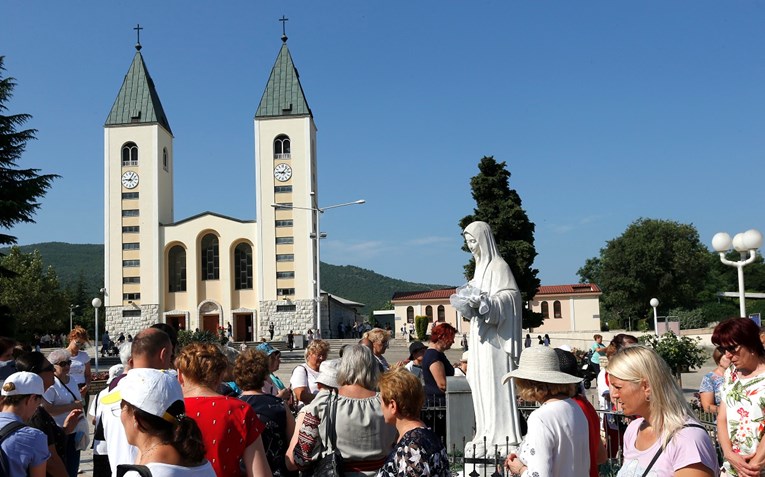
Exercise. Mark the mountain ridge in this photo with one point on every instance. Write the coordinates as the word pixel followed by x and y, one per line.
pixel 361 285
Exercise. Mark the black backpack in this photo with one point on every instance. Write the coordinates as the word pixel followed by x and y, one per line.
pixel 142 470
pixel 5 467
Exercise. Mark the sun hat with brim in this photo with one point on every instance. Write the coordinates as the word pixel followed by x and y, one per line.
pixel 540 363
pixel 150 390
pixel 415 348
pixel 23 383
pixel 328 373
pixel 267 348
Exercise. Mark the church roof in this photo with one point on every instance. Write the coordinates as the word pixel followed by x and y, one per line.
pixel 284 94
pixel 138 101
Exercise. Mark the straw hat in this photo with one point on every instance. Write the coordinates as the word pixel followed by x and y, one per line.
pixel 540 363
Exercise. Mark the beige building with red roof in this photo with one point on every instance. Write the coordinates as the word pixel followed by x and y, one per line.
pixel 564 307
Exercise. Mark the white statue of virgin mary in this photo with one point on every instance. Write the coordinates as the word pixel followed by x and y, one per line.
pixel 492 301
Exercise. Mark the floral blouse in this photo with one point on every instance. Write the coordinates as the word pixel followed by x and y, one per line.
pixel 419 453
pixel 745 412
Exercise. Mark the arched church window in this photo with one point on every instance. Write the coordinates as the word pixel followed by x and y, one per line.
pixel 429 312
pixel 441 313
pixel 556 309
pixel 243 267
pixel 164 158
pixel 410 314
pixel 129 154
pixel 282 147
pixel 176 269
pixel 545 309
pixel 210 258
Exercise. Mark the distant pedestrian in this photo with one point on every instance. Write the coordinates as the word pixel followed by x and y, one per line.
pixel 464 342
pixel 121 338
pixel 547 340
pixel 291 339
pixel 105 341
pixel 541 341
pixel 527 342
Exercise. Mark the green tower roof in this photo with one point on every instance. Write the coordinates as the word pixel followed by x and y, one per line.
pixel 138 101
pixel 284 95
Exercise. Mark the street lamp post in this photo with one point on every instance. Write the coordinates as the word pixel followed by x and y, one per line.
pixel 655 303
pixel 317 211
pixel 746 243
pixel 96 305
pixel 71 315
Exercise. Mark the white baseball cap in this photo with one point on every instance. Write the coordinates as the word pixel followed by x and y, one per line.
pixel 150 390
pixel 23 383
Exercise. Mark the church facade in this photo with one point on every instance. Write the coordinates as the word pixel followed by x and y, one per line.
pixel 209 270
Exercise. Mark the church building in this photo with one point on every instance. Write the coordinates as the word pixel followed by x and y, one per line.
pixel 209 270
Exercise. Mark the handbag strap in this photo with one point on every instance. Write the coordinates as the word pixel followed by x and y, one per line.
pixel 661 449
pixel 331 431
pixel 67 388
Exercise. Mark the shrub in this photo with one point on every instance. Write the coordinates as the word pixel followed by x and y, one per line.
pixel 719 311
pixel 689 319
pixel 421 326
pixel 682 353
pixel 187 337
pixel 643 325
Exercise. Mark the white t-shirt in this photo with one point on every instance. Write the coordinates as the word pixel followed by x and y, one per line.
pixel 117 447
pixel 303 376
pixel 59 394
pixel 413 368
pixel 77 370
pixel 167 470
pixel 557 442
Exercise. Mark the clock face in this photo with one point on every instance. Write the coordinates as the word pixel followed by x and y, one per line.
pixel 282 172
pixel 130 180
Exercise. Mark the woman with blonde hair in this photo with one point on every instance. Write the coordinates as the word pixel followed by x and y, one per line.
pixel 419 451
pixel 666 439
pixel 303 380
pixel 379 339
pixel 230 428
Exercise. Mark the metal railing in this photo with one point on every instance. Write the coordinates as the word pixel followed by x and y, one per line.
pixel 612 429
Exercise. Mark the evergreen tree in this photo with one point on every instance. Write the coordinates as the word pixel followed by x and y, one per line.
pixel 500 206
pixel 19 188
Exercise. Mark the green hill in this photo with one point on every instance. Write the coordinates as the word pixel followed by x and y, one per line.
pixel 353 283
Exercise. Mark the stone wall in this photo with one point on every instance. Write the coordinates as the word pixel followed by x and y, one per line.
pixel 116 323
pixel 299 321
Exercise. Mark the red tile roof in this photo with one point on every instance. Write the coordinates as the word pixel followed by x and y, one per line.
pixel 425 295
pixel 576 289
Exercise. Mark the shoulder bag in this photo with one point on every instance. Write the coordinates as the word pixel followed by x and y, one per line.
pixel 81 430
pixel 331 465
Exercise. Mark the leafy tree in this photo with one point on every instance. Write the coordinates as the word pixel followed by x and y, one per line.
pixel 32 296
pixel 500 206
pixel 421 326
pixel 19 188
pixel 652 258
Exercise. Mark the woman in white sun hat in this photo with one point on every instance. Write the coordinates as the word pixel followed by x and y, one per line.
pixel 557 441
pixel 154 416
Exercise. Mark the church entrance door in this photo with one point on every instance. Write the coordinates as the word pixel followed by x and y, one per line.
pixel 243 327
pixel 210 323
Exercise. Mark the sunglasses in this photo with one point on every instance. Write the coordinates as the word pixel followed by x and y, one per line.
pixel 48 369
pixel 68 362
pixel 732 349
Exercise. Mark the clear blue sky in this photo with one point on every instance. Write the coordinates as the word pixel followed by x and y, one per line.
pixel 604 112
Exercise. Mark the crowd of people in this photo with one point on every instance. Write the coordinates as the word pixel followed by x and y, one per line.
pixel 196 411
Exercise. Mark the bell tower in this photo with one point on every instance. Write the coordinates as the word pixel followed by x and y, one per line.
pixel 285 163
pixel 138 198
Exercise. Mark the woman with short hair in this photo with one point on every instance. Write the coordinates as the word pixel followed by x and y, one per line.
pixel 712 382
pixel 740 414
pixel 80 369
pixel 665 439
pixel 62 398
pixel 435 365
pixel 230 428
pixel 419 451
pixel 362 437
pixel 303 380
pixel 251 372
pixel 379 339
